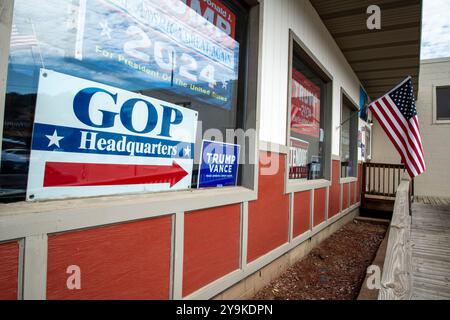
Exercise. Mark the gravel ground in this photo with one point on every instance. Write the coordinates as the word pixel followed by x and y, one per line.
pixel 334 270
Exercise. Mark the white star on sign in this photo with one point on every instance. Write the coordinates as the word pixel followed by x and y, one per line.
pixel 224 84
pixel 187 152
pixel 106 30
pixel 54 139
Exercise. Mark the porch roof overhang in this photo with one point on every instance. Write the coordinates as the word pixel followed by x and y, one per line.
pixel 380 58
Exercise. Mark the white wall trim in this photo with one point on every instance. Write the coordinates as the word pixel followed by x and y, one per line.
pixel 20 275
pixel 25 219
pixel 335 157
pixel 178 256
pixel 435 85
pixel 347 180
pixel 301 238
pixel 319 228
pixel 291 216
pixel 244 235
pixel 35 267
pixel 305 185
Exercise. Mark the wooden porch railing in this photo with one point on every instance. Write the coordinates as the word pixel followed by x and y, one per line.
pixel 380 182
pixel 381 179
pixel 396 280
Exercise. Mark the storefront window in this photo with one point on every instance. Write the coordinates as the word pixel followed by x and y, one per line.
pixel 349 139
pixel 308 121
pixel 108 83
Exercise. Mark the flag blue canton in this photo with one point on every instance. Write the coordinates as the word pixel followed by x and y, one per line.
pixel 404 100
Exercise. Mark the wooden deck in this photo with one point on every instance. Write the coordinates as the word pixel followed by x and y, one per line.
pixel 430 236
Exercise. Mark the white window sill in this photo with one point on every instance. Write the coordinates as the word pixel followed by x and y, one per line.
pixel 437 122
pixel 305 185
pixel 347 180
pixel 18 220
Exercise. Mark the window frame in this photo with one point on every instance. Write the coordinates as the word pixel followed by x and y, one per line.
pixel 297 46
pixel 194 199
pixel 6 15
pixel 365 127
pixel 435 86
pixel 346 100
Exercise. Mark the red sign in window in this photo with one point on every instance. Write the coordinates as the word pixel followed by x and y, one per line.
pixel 305 111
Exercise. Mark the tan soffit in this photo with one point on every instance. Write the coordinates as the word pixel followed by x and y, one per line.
pixel 380 58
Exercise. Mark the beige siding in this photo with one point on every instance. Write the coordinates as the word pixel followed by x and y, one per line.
pixel 383 150
pixel 435 137
pixel 278 17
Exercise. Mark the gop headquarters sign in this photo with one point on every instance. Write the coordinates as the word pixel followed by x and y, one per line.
pixel 91 139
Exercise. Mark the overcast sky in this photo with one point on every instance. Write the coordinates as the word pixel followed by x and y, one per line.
pixel 436 29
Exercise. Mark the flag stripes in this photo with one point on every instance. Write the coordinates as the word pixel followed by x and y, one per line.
pixel 397 114
pixel 393 137
pixel 22 41
pixel 408 136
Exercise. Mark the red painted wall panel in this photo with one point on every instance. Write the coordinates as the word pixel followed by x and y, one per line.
pixel 320 198
pixel 359 184
pixel 353 193
pixel 211 246
pixel 124 261
pixel 268 216
pixel 9 270
pixel 345 193
pixel 302 212
pixel 334 201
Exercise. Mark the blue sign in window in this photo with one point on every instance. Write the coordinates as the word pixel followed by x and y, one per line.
pixel 218 164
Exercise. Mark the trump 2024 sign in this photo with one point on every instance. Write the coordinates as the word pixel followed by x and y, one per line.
pixel 91 139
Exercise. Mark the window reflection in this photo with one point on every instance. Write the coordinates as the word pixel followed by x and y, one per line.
pixel 307 135
pixel 349 136
pixel 185 52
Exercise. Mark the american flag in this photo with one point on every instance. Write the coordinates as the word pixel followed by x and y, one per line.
pixel 397 114
pixel 19 40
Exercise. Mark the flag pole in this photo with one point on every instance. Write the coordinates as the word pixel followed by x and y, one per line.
pixel 351 117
